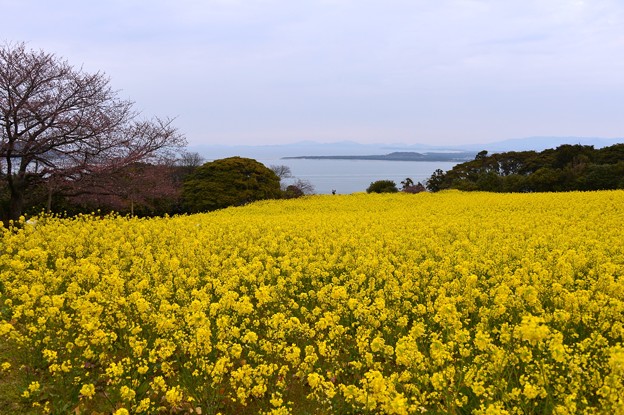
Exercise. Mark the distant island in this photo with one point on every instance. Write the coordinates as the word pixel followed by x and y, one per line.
pixel 400 156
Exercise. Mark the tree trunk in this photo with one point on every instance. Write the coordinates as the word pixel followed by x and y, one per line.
pixel 17 189
pixel 49 201
pixel 16 204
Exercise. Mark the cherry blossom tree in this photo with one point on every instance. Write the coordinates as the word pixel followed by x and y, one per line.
pixel 61 124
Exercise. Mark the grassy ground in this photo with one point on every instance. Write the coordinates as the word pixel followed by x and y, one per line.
pixel 11 387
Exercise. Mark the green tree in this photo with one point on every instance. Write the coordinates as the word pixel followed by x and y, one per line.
pixel 603 176
pixel 610 155
pixel 437 181
pixel 566 168
pixel 382 186
pixel 232 181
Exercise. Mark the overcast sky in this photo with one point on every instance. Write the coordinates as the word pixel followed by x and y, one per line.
pixel 384 71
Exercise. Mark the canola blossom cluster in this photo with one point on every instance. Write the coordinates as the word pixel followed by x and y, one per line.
pixel 447 303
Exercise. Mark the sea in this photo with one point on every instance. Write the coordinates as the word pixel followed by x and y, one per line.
pixel 353 176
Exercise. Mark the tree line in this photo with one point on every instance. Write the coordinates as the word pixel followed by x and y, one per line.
pixel 565 168
pixel 69 143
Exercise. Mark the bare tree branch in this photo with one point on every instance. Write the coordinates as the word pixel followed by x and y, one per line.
pixel 60 122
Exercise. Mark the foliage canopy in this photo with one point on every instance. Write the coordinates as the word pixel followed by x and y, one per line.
pixel 382 186
pixel 566 168
pixel 232 181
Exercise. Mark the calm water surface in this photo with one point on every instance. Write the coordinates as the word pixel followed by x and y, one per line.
pixel 350 176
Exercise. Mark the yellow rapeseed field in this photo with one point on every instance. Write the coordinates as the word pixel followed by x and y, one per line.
pixel 447 303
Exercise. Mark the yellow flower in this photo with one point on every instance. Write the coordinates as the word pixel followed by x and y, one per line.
pixel 531 391
pixel 314 379
pixel 174 396
pixel 377 303
pixel 532 329
pixel 87 390
pixel 32 388
pixel 250 337
pixel 143 405
pixel 377 344
pixel 126 393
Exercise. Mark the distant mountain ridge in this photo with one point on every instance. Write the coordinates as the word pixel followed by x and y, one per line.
pixel 399 156
pixel 350 148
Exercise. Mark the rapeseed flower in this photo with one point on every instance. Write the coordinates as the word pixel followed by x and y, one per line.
pixel 448 302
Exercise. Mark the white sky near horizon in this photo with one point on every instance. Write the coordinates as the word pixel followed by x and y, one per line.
pixel 442 72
